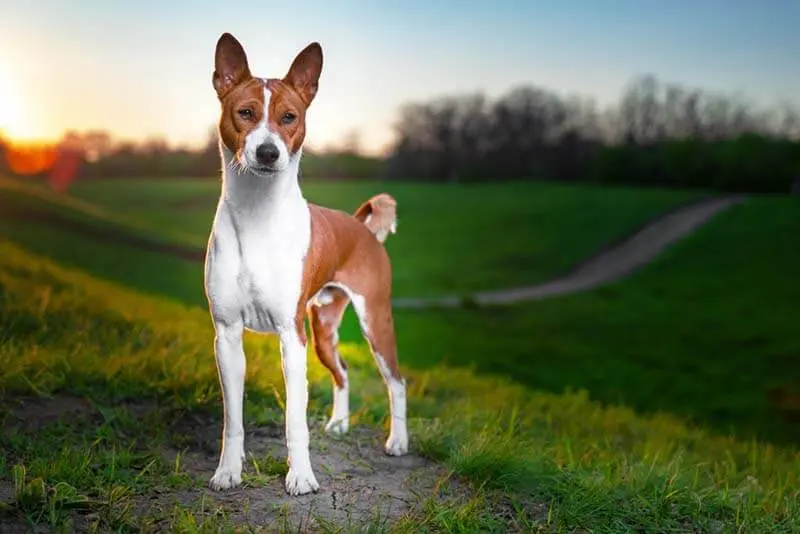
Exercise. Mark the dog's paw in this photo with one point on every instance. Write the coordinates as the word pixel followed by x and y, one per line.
pixel 225 478
pixel 301 482
pixel 396 445
pixel 337 427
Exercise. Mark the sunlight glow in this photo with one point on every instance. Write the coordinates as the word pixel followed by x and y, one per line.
pixel 12 113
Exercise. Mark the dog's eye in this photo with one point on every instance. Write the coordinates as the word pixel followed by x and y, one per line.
pixel 246 114
pixel 288 118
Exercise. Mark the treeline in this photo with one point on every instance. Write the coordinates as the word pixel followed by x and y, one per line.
pixel 96 154
pixel 657 135
pixel 154 158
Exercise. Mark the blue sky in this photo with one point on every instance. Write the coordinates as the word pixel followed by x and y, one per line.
pixel 141 68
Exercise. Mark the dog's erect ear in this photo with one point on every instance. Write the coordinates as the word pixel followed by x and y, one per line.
pixel 304 73
pixel 230 64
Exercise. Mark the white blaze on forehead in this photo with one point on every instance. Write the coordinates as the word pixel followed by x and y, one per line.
pixel 262 134
pixel 267 97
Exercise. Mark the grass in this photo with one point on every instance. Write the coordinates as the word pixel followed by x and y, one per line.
pixel 707 332
pixel 36 198
pixel 656 370
pixel 143 364
pixel 536 230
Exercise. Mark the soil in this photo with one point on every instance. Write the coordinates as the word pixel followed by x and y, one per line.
pixel 358 481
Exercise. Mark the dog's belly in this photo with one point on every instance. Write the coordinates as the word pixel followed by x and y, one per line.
pixel 259 319
pixel 262 315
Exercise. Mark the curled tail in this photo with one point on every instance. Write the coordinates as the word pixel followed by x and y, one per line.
pixel 379 213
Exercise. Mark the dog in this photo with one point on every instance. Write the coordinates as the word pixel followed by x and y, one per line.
pixel 273 258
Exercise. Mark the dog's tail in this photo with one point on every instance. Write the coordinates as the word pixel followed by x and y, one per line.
pixel 379 213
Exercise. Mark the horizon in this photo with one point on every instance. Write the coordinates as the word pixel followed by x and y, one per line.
pixel 132 71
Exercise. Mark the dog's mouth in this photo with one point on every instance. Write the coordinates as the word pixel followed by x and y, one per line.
pixel 263 169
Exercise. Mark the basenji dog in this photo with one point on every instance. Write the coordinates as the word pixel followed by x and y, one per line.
pixel 273 258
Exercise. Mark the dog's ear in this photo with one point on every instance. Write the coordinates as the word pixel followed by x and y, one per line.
pixel 230 64
pixel 304 73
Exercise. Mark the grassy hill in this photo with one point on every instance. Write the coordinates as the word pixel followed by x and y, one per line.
pixel 110 350
pixel 493 235
pixel 707 332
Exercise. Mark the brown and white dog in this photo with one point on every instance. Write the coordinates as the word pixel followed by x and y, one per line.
pixel 273 257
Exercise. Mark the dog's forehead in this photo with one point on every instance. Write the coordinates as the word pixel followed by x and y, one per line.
pixel 281 91
pixel 252 89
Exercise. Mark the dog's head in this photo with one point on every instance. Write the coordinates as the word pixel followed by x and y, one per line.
pixel 262 120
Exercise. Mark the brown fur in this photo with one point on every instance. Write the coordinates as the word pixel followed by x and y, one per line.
pixel 238 90
pixel 325 321
pixel 233 128
pixel 345 251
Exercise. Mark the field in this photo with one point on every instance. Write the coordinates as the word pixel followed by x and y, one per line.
pixel 443 228
pixel 665 402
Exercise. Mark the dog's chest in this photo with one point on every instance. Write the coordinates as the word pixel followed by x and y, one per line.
pixel 261 279
pixel 269 291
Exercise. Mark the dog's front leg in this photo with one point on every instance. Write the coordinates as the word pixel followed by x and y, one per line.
pixel 229 352
pixel 300 479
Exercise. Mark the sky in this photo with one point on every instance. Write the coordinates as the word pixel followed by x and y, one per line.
pixel 142 68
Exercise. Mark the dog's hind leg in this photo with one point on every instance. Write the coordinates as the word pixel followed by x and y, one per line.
pixel 377 325
pixel 325 315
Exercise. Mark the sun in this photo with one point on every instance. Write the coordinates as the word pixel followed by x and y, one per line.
pixel 12 112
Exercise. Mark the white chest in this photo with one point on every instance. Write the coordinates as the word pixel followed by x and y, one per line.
pixel 255 266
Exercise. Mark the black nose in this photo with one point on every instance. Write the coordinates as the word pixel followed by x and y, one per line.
pixel 267 153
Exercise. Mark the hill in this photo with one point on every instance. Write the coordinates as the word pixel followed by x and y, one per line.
pixel 628 408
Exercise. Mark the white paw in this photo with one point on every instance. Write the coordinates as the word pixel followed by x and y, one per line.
pixel 396 445
pixel 337 427
pixel 226 477
pixel 301 481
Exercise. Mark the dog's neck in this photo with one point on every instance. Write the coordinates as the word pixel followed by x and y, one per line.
pixel 247 192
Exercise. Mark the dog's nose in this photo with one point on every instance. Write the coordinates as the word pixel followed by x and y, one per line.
pixel 267 153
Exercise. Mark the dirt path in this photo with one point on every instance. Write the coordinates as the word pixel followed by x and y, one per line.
pixel 359 482
pixel 610 265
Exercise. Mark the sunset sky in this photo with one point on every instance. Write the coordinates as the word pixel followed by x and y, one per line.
pixel 143 67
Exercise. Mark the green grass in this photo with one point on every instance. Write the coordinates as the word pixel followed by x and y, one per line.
pixel 535 230
pixel 658 369
pixel 562 460
pixel 36 197
pixel 705 332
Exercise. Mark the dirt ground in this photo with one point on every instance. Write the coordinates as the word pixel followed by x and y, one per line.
pixel 358 482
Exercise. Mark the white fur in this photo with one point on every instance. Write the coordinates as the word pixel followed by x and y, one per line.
pixel 397 443
pixel 254 270
pixel 383 234
pixel 322 297
pixel 231 365
pixel 339 422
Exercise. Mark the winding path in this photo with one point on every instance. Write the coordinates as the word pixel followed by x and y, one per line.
pixel 610 265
